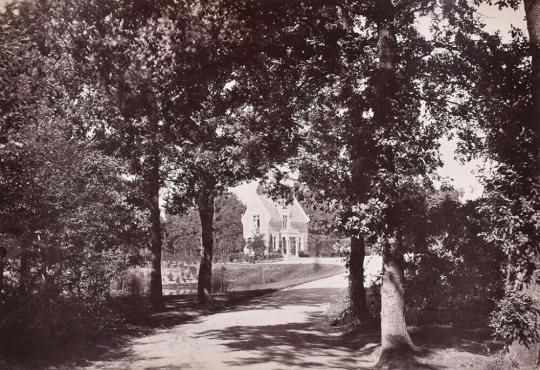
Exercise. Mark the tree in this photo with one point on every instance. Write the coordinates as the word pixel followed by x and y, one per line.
pixel 62 201
pixel 228 229
pixel 458 277
pixel 333 210
pixel 183 232
pixel 131 56
pixel 517 211
pixel 372 142
pixel 532 16
pixel 182 239
pixel 322 223
pixel 257 246
pixel 505 90
pixel 240 118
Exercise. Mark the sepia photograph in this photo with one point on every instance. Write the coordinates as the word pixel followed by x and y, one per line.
pixel 270 184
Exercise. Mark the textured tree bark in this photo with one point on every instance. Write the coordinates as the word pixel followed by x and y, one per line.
pixel 156 291
pixel 205 203
pixel 357 292
pixel 395 340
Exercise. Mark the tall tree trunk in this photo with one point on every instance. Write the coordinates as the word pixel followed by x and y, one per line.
pixel 357 292
pixel 395 339
pixel 156 291
pixel 205 203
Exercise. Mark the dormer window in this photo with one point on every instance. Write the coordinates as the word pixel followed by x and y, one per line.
pixel 257 221
pixel 285 221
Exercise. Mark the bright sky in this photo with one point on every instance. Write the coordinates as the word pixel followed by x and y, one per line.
pixel 460 175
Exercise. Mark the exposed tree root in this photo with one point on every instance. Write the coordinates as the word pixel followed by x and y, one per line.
pixel 402 358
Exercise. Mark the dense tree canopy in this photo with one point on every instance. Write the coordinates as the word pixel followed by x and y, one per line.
pixel 500 124
pixel 63 202
pixel 104 105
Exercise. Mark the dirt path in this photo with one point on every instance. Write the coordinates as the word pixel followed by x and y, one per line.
pixel 287 330
pixel 284 330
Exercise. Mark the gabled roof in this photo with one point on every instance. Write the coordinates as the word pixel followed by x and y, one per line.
pixel 270 206
pixel 295 210
pixel 252 195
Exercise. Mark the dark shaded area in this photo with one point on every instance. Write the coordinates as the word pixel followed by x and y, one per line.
pixel 179 309
pixel 403 359
pixel 476 340
pixel 304 344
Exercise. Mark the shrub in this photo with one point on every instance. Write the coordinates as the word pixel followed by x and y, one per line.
pixel 134 283
pixel 46 322
pixel 339 312
pixel 516 319
pixel 131 309
pixel 274 256
pixel 238 257
pixel 57 314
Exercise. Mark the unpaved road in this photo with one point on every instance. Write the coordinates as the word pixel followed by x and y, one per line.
pixel 284 330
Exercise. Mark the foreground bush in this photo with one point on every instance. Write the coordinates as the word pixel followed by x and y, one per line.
pixel 45 324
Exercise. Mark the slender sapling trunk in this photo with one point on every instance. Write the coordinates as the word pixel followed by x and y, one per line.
pixel 205 203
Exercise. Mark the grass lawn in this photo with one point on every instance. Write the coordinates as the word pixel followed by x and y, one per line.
pixel 241 277
pixel 233 277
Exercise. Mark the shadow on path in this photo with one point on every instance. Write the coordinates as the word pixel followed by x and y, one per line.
pixel 309 344
pixel 287 330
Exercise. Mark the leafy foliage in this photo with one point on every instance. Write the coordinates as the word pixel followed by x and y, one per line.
pixel 182 237
pixel 504 114
pixel 458 278
pixel 516 319
pixel 63 202
pixel 257 247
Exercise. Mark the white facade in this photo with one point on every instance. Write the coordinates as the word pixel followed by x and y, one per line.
pixel 284 228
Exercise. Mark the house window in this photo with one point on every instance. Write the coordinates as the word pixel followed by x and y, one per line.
pixel 257 221
pixel 285 221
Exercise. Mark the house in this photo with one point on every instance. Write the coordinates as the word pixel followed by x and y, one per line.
pixel 284 228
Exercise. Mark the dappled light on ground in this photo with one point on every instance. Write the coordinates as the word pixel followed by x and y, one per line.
pixel 288 330
pixel 284 330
